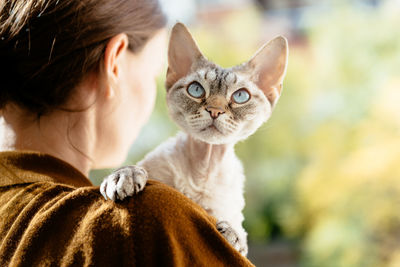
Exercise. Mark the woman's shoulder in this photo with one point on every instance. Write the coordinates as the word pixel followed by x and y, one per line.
pixel 46 181
pixel 76 225
pixel 46 204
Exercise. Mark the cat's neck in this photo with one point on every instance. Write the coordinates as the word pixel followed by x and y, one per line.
pixel 206 158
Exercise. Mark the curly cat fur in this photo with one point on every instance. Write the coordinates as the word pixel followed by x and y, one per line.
pixel 210 175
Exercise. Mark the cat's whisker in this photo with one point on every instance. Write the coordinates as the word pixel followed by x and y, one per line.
pixel 197 120
pixel 229 125
pixel 196 123
pixel 199 123
pixel 232 122
pixel 227 131
pixel 231 129
pixel 195 116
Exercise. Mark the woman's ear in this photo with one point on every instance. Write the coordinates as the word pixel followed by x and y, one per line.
pixel 114 52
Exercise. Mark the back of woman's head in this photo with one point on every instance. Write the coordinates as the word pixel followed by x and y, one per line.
pixel 48 46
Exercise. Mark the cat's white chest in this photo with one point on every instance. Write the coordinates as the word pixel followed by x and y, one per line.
pixel 216 184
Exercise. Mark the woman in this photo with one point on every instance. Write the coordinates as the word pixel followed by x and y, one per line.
pixel 76 87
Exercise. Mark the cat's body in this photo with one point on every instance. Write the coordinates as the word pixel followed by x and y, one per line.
pixel 210 175
pixel 215 107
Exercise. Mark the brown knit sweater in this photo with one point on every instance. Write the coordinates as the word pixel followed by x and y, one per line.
pixel 51 215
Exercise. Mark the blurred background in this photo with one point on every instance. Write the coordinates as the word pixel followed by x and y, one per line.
pixel 323 174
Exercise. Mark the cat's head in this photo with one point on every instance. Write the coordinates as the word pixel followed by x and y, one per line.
pixel 218 105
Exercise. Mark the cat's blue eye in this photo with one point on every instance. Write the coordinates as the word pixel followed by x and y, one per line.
pixel 241 96
pixel 196 90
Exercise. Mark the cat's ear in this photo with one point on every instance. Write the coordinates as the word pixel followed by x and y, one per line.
pixel 268 67
pixel 182 53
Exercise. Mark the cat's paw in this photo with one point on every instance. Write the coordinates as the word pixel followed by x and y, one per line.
pixel 123 183
pixel 233 238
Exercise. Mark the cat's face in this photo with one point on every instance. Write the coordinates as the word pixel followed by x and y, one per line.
pixel 218 105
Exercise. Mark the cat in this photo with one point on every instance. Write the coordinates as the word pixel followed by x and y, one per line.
pixel 215 108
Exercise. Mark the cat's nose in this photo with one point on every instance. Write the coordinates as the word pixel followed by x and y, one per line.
pixel 214 112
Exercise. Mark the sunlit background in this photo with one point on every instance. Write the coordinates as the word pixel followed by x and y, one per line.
pixel 323 174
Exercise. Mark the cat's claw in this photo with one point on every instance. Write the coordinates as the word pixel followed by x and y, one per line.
pixel 232 237
pixel 124 182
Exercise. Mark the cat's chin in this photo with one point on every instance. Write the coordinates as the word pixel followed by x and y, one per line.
pixel 212 135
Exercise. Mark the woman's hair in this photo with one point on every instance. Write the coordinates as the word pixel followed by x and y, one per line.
pixel 48 46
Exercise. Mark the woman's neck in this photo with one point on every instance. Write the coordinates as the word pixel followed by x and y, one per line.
pixel 67 136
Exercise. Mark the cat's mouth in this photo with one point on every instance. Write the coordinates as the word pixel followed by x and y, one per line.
pixel 212 127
